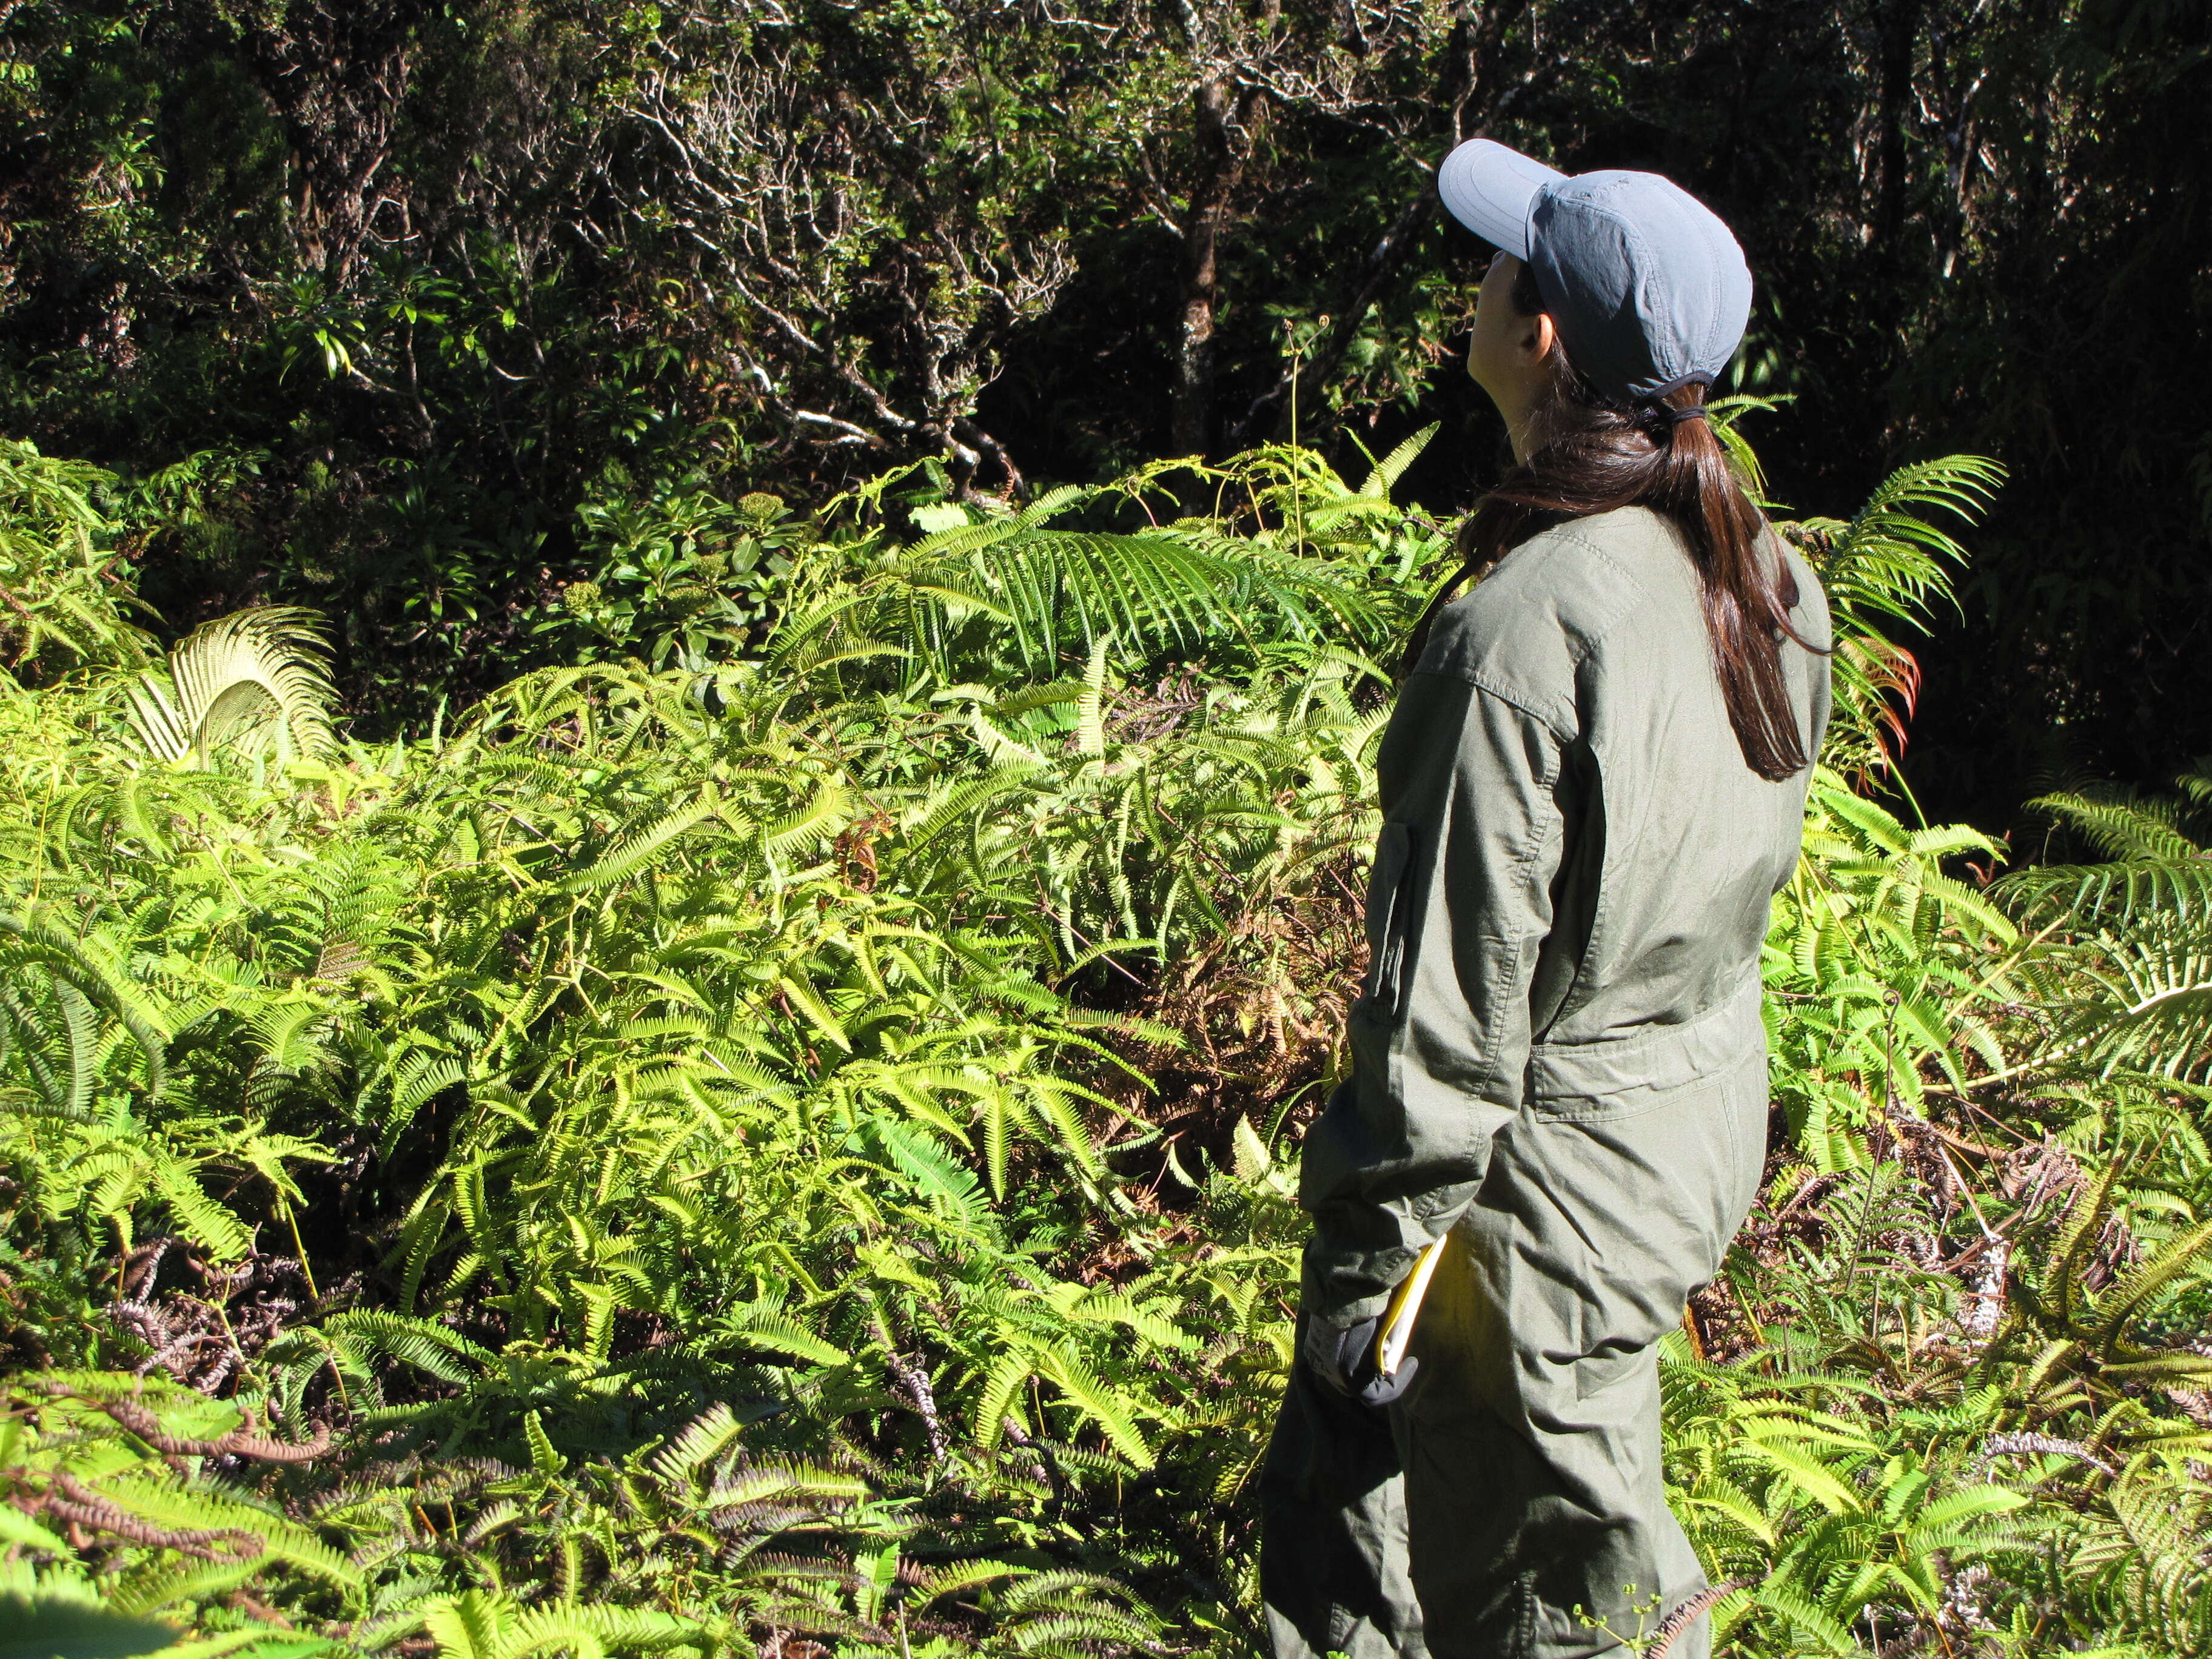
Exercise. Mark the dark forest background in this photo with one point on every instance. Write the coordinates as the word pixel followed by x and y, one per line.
pixel 429 314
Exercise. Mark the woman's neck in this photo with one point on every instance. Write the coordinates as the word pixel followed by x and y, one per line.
pixel 1516 402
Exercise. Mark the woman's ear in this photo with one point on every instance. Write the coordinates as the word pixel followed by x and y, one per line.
pixel 1539 339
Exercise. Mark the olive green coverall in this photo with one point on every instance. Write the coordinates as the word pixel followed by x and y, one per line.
pixel 1558 1058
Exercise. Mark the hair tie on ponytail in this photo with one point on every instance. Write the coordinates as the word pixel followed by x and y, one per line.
pixel 1655 417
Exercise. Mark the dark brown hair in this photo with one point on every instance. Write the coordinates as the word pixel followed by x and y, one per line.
pixel 1589 454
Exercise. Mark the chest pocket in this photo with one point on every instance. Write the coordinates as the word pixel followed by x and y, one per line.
pixel 1389 903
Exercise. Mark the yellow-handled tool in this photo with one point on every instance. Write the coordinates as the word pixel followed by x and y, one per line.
pixel 1396 1328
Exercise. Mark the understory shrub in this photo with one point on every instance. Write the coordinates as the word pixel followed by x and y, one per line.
pixel 781 1136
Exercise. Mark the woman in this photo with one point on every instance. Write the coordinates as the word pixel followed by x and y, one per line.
pixel 1591 789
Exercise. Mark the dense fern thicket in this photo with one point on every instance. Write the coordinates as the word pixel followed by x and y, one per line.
pixel 779 1136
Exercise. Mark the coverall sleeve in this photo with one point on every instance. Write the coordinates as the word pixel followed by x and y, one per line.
pixel 1459 906
pixel 1818 632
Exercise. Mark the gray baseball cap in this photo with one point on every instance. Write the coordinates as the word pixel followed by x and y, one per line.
pixel 1647 288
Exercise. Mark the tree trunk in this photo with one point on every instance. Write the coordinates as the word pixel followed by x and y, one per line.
pixel 1222 150
pixel 1897 32
pixel 335 72
pixel 1471 88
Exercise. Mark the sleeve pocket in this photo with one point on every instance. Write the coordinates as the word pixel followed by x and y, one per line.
pixel 1387 903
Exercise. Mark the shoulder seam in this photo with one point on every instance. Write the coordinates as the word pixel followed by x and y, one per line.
pixel 1634 590
pixel 1582 644
pixel 1518 701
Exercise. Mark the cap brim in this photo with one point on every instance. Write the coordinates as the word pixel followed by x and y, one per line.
pixel 1488 188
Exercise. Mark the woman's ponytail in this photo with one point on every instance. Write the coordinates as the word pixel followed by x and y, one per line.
pixel 1748 593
